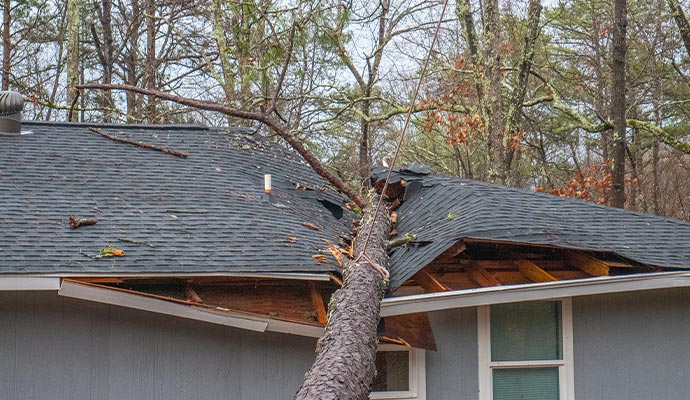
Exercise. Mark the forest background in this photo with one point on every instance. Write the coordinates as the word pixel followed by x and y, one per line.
pixel 519 92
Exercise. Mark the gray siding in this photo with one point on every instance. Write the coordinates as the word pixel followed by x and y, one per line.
pixel 633 346
pixel 64 349
pixel 451 372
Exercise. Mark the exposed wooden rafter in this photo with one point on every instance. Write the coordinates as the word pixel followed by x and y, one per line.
pixel 192 295
pixel 534 272
pixel 453 251
pixel 428 282
pixel 481 276
pixel 321 314
pixel 589 264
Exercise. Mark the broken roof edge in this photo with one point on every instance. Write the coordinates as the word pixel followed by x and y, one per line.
pixel 437 301
pixel 307 276
pixel 400 280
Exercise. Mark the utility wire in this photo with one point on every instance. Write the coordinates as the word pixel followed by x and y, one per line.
pixel 402 136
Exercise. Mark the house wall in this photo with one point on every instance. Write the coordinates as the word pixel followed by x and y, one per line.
pixel 629 346
pixel 65 349
pixel 451 371
pixel 633 346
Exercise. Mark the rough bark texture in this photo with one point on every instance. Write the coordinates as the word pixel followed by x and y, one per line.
pixel 618 104
pixel 682 22
pixel 73 23
pixel 345 359
pixel 6 45
pixel 495 127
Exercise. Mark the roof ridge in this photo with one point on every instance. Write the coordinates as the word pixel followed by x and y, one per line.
pixel 455 180
pixel 119 126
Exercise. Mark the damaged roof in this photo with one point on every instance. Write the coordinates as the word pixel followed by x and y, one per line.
pixel 441 210
pixel 206 213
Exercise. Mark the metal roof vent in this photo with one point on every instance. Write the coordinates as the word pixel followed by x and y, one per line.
pixel 11 106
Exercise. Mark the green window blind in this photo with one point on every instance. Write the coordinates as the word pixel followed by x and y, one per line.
pixel 525 384
pixel 526 331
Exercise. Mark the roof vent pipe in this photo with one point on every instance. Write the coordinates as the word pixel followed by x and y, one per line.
pixel 11 106
pixel 267 184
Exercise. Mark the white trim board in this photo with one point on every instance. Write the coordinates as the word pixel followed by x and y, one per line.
pixel 308 276
pixel 29 283
pixel 533 291
pixel 227 318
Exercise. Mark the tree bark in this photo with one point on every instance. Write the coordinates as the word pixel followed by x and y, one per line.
pixel 618 104
pixel 344 365
pixel 6 45
pixel 492 66
pixel 682 22
pixel 73 24
pixel 151 63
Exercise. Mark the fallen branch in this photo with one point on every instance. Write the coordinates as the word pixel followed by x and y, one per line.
pixel 135 242
pixel 141 144
pixel 278 127
pixel 180 211
pixel 400 241
pixel 75 223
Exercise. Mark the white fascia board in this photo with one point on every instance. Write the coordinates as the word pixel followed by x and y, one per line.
pixel 8 282
pixel 258 275
pixel 530 292
pixel 293 328
pixel 129 300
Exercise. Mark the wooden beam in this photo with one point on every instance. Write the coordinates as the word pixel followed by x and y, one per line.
pixel 590 265
pixel 534 272
pixel 192 295
pixel 321 314
pixel 428 282
pixel 452 251
pixel 335 279
pixel 482 276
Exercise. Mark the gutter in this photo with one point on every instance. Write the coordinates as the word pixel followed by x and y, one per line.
pixel 529 292
pixel 19 282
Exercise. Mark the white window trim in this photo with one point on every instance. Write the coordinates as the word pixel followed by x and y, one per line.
pixel 566 374
pixel 417 378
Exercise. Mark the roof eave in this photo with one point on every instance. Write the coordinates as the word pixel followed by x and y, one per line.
pixel 530 292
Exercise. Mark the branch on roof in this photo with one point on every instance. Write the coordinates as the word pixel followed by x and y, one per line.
pixel 141 144
pixel 263 117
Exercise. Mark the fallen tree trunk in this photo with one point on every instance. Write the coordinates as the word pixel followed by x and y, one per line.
pixel 345 354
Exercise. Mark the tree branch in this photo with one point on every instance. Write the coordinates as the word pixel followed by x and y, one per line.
pixel 278 127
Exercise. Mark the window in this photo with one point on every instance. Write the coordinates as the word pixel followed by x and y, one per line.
pixel 526 351
pixel 400 374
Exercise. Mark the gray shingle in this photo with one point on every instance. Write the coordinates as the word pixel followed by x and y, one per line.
pixel 448 209
pixel 63 169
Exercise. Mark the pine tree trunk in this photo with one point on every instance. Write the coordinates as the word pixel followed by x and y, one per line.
pixel 6 45
pixel 73 23
pixel 618 104
pixel 346 353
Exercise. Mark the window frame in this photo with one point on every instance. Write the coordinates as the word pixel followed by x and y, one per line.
pixel 416 379
pixel 566 385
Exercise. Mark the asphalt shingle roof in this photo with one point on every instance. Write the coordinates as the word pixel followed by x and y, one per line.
pixel 441 210
pixel 203 214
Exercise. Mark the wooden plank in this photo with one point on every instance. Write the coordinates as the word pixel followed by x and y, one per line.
pixel 321 314
pixel 428 282
pixel 495 264
pixel 192 295
pixel 335 279
pixel 534 272
pixel 452 251
pixel 412 329
pixel 589 264
pixel 481 276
